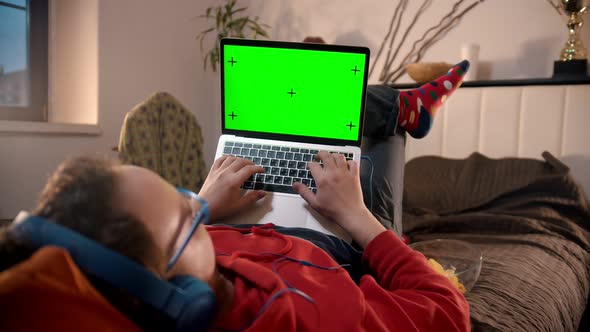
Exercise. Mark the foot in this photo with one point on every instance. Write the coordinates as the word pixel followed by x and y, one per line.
pixel 418 106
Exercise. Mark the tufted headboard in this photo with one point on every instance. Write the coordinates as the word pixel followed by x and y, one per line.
pixel 514 121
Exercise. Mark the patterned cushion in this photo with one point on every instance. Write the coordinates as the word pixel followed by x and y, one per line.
pixel 162 135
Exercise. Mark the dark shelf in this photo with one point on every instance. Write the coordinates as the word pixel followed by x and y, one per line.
pixel 515 82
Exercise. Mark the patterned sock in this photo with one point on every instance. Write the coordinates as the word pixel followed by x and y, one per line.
pixel 418 106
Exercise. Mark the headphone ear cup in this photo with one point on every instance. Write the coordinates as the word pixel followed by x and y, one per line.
pixel 201 307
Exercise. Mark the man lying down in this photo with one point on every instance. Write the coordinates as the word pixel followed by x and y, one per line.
pixel 115 247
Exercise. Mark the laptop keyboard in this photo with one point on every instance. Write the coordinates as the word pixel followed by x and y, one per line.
pixel 282 165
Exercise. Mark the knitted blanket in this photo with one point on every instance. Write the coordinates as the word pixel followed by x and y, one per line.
pixel 531 221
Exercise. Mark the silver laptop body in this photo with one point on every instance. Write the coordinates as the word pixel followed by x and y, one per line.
pixel 282 102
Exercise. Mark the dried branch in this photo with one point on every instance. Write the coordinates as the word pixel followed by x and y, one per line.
pixel 393 20
pixel 419 13
pixel 449 14
pixel 442 22
pixel 419 54
pixel 428 38
pixel 425 43
pixel 454 21
pixel 226 24
pixel 403 4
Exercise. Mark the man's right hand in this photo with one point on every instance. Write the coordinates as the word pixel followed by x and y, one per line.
pixel 339 196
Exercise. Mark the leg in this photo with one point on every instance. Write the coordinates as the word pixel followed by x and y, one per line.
pixel 383 192
pixel 418 106
pixel 413 110
pixel 384 147
pixel 389 113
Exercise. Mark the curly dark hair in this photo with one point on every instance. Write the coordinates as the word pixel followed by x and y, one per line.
pixel 80 195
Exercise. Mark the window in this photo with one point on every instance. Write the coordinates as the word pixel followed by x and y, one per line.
pixel 23 59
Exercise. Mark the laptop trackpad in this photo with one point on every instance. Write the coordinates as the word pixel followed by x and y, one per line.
pixel 279 209
pixel 287 211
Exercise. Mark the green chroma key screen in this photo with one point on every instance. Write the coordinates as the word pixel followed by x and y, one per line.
pixel 292 91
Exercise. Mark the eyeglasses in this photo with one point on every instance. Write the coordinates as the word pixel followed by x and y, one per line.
pixel 201 217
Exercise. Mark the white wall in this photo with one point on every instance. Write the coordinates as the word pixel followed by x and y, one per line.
pixel 518 39
pixel 147 46
pixel 143 46
pixel 73 61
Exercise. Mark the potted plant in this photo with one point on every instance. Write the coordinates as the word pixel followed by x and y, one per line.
pixel 228 21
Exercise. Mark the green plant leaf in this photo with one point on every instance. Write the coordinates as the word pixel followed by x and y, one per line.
pixel 227 25
pixel 218 18
pixel 257 29
pixel 237 22
pixel 238 25
pixel 261 32
pixel 204 32
pixel 229 6
pixel 202 36
pixel 214 58
pixel 205 58
pixel 244 23
pixel 213 64
pixel 238 10
pixel 225 18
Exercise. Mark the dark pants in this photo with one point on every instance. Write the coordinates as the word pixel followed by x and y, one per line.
pixel 384 145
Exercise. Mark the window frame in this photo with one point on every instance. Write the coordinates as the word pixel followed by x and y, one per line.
pixel 37 64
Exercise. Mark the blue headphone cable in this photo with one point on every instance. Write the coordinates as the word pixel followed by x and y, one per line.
pixel 290 288
pixel 370 161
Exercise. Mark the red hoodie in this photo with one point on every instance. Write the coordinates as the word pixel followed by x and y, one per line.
pixel 402 293
pixel 49 293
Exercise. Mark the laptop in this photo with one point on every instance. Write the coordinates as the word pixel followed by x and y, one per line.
pixel 281 103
